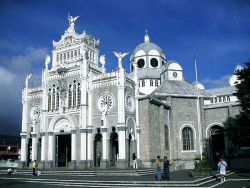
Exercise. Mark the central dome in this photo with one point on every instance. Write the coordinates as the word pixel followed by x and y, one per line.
pixel 147 55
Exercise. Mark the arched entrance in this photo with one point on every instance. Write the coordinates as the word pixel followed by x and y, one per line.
pixel 113 147
pixel 216 142
pixel 97 144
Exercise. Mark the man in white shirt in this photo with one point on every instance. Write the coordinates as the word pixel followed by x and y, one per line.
pixel 222 168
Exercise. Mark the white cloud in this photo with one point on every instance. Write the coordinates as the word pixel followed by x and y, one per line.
pixel 222 82
pixel 25 62
pixel 6 77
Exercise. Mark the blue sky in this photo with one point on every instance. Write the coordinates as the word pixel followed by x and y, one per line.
pixel 217 33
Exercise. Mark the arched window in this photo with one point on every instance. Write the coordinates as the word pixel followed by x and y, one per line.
pixel 57 98
pixel 166 139
pixel 49 100
pixel 151 83
pixel 187 139
pixel 70 96
pixel 79 94
pixel 74 95
pixel 53 98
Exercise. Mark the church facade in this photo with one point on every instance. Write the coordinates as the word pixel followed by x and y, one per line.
pixel 80 109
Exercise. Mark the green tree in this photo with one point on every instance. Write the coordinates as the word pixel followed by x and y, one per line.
pixel 238 128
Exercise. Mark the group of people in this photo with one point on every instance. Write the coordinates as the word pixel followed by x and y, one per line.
pixel 166 165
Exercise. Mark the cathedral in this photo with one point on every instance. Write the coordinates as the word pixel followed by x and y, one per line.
pixel 80 109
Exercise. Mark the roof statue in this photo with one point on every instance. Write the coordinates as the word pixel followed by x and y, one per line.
pixel 71 23
pixel 120 56
pixel 102 61
pixel 47 61
pixel 27 79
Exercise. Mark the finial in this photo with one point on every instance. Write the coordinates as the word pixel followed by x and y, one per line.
pixel 146 37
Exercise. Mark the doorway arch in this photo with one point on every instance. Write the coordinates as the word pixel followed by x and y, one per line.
pixel 216 141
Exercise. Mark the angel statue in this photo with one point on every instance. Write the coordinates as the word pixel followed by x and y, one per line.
pixel 102 61
pixel 47 61
pixel 27 79
pixel 120 56
pixel 72 22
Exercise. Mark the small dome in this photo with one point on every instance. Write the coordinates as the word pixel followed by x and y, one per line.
pixel 198 84
pixel 238 68
pixel 174 65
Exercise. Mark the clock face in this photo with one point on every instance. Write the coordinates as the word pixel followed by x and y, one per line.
pixel 174 74
pixel 130 103
pixel 35 113
pixel 105 100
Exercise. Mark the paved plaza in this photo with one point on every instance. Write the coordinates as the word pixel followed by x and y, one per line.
pixel 119 178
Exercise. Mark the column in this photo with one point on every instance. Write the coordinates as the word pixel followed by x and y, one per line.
pixel 122 143
pixel 138 130
pixel 43 147
pixel 121 77
pixel 83 155
pixel 34 147
pixel 89 153
pixel 51 146
pixel 23 147
pixel 90 124
pixel 83 106
pixel 73 145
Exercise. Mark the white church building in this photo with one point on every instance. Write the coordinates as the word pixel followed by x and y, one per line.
pixel 80 109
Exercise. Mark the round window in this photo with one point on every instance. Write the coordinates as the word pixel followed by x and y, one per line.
pixel 140 63
pixel 154 62
pixel 175 74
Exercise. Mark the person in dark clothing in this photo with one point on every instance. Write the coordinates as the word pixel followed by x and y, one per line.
pixel 134 161
pixel 166 165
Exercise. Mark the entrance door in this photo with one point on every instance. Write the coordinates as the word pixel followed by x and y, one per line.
pixel 217 146
pixel 63 150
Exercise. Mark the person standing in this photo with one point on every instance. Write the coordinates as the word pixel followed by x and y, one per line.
pixel 99 156
pixel 158 168
pixel 166 165
pixel 34 167
pixel 222 167
pixel 135 161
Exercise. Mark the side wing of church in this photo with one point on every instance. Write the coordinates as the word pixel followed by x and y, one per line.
pixel 81 112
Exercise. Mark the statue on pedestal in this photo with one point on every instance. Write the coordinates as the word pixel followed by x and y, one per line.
pixel 72 23
pixel 47 61
pixel 102 61
pixel 120 56
pixel 27 80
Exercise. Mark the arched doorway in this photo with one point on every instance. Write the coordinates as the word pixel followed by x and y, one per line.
pixel 216 142
pixel 113 146
pixel 97 144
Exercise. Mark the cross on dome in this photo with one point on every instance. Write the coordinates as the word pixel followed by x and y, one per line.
pixel 146 37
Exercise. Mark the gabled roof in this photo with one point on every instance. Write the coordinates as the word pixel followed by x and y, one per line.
pixel 179 88
pixel 223 90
